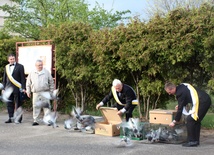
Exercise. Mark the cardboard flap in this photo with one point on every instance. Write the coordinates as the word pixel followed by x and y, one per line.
pixel 110 115
pixel 161 111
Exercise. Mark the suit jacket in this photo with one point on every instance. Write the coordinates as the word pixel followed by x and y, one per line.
pixel 184 97
pixel 126 96
pixel 18 74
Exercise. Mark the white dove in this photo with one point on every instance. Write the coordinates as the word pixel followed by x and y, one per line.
pixel 6 94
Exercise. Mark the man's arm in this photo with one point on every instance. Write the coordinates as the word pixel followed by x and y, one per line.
pixel 23 78
pixel 28 85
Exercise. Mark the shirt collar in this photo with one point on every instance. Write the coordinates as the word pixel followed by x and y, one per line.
pixel 40 72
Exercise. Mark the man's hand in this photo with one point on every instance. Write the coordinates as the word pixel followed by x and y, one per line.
pixel 29 95
pixel 98 106
pixel 176 107
pixel 119 113
pixel 172 124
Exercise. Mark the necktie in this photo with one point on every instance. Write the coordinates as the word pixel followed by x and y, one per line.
pixel 11 64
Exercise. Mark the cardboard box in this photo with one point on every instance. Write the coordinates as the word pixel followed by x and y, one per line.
pixel 159 116
pixel 110 125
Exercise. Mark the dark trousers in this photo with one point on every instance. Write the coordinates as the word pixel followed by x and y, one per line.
pixel 128 113
pixel 194 127
pixel 15 103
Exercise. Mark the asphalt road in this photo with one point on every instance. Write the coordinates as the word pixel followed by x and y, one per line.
pixel 25 139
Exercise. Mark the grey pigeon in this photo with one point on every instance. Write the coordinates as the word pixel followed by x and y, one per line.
pixel 17 115
pixel 134 127
pixel 85 123
pixel 167 135
pixel 50 119
pixel 76 113
pixel 42 104
pixel 88 121
pixel 6 94
pixel 49 95
pixel 69 124
pixel 1 86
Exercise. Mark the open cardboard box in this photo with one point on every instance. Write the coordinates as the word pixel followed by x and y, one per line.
pixel 110 125
pixel 159 116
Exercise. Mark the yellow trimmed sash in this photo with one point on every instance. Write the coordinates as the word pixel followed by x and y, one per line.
pixel 16 83
pixel 134 102
pixel 195 100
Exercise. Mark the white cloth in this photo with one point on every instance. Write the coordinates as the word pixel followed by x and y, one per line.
pixel 11 69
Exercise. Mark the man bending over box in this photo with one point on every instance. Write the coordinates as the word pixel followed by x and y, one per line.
pixel 125 97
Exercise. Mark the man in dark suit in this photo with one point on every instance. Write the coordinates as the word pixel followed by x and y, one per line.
pixel 124 96
pixel 200 102
pixel 14 77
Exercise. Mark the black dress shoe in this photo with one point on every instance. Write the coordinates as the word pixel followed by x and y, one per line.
pixel 20 120
pixel 8 121
pixel 191 144
pixel 35 123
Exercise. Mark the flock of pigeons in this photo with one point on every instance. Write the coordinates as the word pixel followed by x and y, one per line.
pixel 86 123
pixel 5 98
pixel 76 122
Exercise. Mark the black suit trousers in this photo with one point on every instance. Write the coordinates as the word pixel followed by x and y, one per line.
pixel 15 103
pixel 194 127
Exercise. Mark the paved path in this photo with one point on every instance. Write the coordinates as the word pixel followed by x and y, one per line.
pixel 25 139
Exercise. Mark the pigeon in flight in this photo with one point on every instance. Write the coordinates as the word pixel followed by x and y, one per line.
pixel 50 119
pixel 6 94
pixel 17 115
pixel 134 127
pixel 1 86
pixel 85 123
pixel 130 129
pixel 50 96
pixel 42 104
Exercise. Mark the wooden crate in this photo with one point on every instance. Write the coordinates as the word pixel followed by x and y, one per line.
pixel 159 116
pixel 110 125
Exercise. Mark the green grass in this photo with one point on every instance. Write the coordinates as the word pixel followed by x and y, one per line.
pixel 208 121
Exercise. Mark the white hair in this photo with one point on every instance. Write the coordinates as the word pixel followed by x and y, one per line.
pixel 39 60
pixel 116 82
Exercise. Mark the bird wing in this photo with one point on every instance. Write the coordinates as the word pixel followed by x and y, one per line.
pixel 1 86
pixel 17 115
pixel 41 104
pixel 46 95
pixel 55 93
pixel 68 124
pixel 8 91
pixel 76 113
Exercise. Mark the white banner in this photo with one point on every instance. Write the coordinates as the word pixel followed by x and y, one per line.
pixel 29 54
